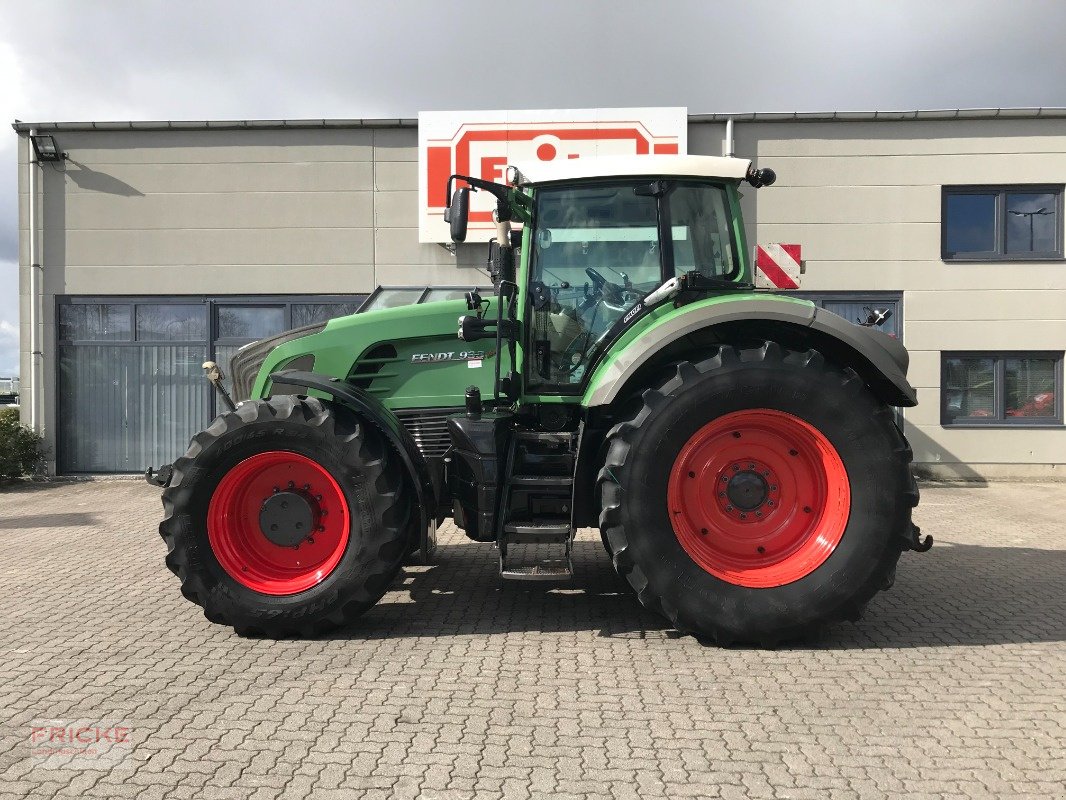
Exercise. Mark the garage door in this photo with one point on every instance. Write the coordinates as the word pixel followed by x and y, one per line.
pixel 131 391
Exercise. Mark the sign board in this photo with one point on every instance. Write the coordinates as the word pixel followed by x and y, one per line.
pixel 777 266
pixel 482 143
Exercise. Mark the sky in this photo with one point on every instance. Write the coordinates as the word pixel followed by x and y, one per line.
pixel 264 59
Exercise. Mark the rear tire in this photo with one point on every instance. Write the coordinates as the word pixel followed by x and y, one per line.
pixel 354 491
pixel 823 543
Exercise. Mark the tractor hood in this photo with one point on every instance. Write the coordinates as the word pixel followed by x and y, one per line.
pixel 246 362
pixel 407 356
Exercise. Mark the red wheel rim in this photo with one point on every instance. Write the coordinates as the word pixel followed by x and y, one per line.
pixel 759 498
pixel 243 549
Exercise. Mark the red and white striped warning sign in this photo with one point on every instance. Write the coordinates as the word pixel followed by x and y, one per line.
pixel 777 266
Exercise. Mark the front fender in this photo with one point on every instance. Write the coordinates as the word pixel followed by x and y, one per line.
pixel 881 360
pixel 372 411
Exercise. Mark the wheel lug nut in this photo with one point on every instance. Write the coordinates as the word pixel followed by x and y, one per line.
pixel 721 494
pixel 736 434
pixel 761 549
pixel 793 452
pixel 743 516
pixel 277 489
pixel 773 487
pixel 307 487
pixel 729 508
pixel 292 485
pixel 691 474
pixel 310 540
pixel 806 509
pixel 318 497
pixel 751 466
pixel 769 502
pixel 758 513
pixel 736 468
pixel 321 528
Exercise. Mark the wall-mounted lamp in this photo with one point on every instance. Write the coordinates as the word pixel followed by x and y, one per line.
pixel 45 148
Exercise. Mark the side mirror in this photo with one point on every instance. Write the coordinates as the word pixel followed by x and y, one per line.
pixel 458 213
pixel 761 177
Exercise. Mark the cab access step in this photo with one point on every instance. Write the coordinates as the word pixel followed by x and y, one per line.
pixel 536 542
pixel 514 487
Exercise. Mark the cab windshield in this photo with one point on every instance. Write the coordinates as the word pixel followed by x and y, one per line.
pixel 597 250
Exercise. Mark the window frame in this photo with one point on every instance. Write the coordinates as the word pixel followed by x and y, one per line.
pixel 873 298
pixel 999 387
pixel 1000 252
pixel 667 266
pixel 423 291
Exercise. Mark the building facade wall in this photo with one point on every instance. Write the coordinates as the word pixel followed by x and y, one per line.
pixel 225 212
pixel 864 199
pixel 328 211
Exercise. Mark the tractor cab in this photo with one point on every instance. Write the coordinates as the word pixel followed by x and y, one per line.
pixel 600 237
pixel 596 251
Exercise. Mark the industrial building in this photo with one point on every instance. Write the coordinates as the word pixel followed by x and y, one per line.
pixel 152 247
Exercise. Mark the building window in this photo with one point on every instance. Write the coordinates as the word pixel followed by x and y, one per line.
pixel 396 296
pixel 130 381
pixel 1001 223
pixel 1001 389
pixel 858 308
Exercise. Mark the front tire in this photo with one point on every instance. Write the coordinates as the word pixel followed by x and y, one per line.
pixel 285 517
pixel 757 495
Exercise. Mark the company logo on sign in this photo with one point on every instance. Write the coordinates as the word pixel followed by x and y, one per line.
pixel 483 143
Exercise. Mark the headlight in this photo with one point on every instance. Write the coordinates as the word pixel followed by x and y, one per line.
pixel 245 365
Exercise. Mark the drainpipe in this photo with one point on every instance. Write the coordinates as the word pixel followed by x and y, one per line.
pixel 729 137
pixel 35 339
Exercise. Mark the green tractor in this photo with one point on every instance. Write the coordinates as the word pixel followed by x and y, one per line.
pixel 738 450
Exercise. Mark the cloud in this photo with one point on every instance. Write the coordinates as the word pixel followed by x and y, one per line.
pixel 246 59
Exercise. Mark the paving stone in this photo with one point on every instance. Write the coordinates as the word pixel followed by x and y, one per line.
pixel 453 686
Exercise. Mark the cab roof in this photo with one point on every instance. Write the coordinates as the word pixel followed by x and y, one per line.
pixel 535 174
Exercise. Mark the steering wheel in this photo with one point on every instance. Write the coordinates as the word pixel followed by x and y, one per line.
pixel 613 295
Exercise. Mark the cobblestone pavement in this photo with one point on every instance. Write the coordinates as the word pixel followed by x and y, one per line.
pixel 954 685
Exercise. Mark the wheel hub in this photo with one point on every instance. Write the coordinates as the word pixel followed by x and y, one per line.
pixel 758 498
pixel 287 518
pixel 747 490
pixel 278 522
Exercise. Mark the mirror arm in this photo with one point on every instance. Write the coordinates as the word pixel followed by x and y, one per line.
pixel 499 191
pixel 496 189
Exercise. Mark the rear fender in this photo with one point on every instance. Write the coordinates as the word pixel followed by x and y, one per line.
pixel 371 410
pixel 878 358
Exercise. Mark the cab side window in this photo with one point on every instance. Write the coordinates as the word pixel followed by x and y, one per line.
pixel 699 220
